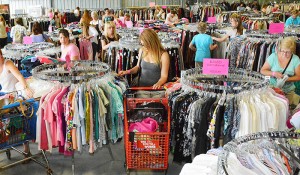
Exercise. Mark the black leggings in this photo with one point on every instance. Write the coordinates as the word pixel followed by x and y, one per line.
pixel 95 50
pixel 3 42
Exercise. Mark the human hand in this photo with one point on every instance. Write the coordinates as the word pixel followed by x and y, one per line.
pixel 156 86
pixel 122 73
pixel 29 92
pixel 278 75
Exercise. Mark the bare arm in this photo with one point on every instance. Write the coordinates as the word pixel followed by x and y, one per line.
pixel 221 39
pixel 192 47
pixel 296 77
pixel 266 70
pixel 74 58
pixel 104 45
pixel 135 69
pixel 165 64
pixel 213 46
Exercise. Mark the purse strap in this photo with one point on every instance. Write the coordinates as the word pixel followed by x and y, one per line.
pixel 287 65
pixel 140 68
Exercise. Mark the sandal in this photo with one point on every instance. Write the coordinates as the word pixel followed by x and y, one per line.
pixel 26 155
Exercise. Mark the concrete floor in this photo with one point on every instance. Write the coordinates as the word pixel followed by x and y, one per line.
pixel 100 163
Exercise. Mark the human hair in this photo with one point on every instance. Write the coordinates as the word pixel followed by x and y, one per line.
pixel 64 32
pixel 288 43
pixel 202 27
pixel 19 21
pixel 110 24
pixel 3 20
pixel 264 6
pixel 85 29
pixel 173 12
pixel 86 17
pixel 153 44
pixel 121 13
pixel 127 15
pixel 294 12
pixel 77 8
pixel 106 9
pixel 37 29
pixel 95 15
pixel 238 19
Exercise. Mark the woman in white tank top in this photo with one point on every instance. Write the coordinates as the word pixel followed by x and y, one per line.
pixel 10 75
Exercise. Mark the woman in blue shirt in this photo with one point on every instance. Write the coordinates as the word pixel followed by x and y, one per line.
pixel 284 69
pixel 202 44
pixel 294 19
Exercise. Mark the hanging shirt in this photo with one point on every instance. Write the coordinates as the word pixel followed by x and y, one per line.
pixel 292 21
pixel 202 43
pixel 275 67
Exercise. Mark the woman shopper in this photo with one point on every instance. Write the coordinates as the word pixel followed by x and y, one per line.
pixel 284 69
pixel 9 77
pixel 69 51
pixel 202 44
pixel 109 35
pixel 3 34
pixel 236 28
pixel 37 34
pixel 90 34
pixel 153 63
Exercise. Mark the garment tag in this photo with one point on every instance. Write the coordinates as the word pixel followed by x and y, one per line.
pixel 267 77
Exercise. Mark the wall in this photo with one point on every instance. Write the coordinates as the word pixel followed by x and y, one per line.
pixel 86 4
pixel 134 3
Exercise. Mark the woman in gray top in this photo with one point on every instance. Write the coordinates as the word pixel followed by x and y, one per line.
pixel 153 61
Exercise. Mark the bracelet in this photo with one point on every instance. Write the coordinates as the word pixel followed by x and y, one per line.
pixel 273 74
pixel 128 71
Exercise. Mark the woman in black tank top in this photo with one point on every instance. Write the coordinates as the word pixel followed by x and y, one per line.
pixel 153 63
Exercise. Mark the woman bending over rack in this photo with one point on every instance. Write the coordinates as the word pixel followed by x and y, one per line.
pixel 69 51
pixel 237 28
pixel 9 77
pixel 153 64
pixel 284 69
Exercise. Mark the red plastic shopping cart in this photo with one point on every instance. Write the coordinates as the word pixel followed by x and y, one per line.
pixel 146 150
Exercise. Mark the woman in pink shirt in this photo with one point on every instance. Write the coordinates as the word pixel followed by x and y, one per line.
pixel 69 51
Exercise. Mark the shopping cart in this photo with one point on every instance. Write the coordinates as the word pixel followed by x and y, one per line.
pixel 146 150
pixel 17 126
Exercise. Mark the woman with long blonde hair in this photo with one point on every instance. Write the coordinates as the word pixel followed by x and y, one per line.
pixel 109 35
pixel 3 34
pixel 153 63
pixel 86 17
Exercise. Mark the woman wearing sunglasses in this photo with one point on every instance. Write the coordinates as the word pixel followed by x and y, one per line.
pixel 283 67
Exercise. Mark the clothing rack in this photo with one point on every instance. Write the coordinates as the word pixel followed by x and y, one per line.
pixel 80 71
pixel 272 137
pixel 252 80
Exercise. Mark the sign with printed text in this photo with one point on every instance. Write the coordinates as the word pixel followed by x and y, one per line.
pixel 148 144
pixel 151 4
pixel 275 28
pixel 212 66
pixel 27 40
pixel 212 20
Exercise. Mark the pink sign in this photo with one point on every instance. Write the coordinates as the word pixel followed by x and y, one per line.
pixel 151 4
pixel 164 7
pixel 276 28
pixel 27 40
pixel 212 66
pixel 212 19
